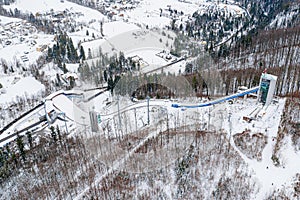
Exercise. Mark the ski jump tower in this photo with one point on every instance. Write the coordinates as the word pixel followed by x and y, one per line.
pixel 266 88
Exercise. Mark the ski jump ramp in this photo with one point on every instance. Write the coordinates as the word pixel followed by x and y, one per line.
pixel 71 110
pixel 220 100
pixel 63 105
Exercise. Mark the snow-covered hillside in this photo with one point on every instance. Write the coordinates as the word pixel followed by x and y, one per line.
pixel 21 87
pixel 139 99
pixel 45 6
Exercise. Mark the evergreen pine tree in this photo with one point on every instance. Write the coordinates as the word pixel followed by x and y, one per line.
pixel 72 82
pixel 20 145
pixel 58 133
pixel 1 158
pixel 89 53
pixel 110 84
pixel 53 134
pixel 49 54
pixel 54 52
pixel 101 28
pixel 7 149
pixel 14 158
pixel 64 68
pixel 82 54
pixel 105 76
pixel 69 54
pixel 73 52
pixel 29 138
pixel 62 51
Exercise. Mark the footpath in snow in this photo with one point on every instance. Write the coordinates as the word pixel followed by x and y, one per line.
pixel 269 177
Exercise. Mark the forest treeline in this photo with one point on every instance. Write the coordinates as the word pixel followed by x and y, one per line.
pixel 274 50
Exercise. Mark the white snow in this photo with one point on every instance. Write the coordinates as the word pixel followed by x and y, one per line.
pixel 72 67
pixel 148 12
pixel 24 122
pixel 44 6
pixel 5 20
pixel 72 111
pixel 148 55
pixel 269 177
pixel 127 40
pixel 24 87
pixel 115 28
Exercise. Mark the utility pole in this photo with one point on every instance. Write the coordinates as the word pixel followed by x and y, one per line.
pixel 65 122
pixel 230 130
pixel 83 122
pixel 230 127
pixel 148 99
pixel 119 116
pixel 208 125
pixel 135 120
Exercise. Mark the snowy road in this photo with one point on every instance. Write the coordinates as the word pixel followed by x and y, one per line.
pixel 26 122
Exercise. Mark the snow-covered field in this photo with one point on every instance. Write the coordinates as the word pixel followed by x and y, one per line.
pixel 19 87
pixel 46 6
pixel 152 12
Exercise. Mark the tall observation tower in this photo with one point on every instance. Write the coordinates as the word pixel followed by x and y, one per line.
pixel 266 88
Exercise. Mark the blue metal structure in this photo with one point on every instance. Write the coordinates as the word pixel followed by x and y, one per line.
pixel 220 100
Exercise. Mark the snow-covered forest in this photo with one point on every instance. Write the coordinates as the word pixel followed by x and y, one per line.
pixel 149 99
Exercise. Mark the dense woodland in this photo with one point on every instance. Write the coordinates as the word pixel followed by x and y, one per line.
pixel 241 60
pixel 63 165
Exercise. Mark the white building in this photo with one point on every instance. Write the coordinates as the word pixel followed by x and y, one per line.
pixel 266 88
